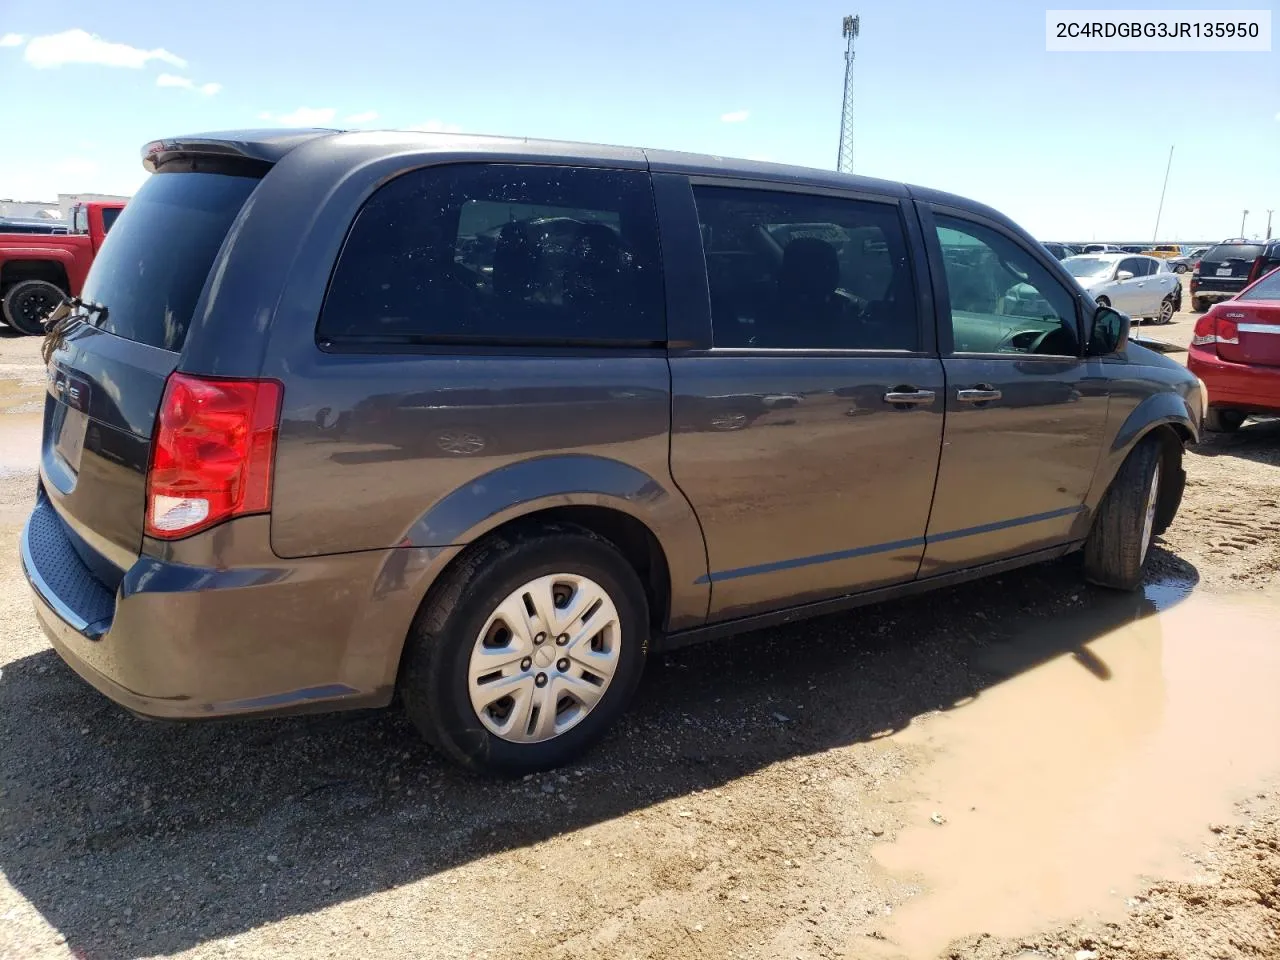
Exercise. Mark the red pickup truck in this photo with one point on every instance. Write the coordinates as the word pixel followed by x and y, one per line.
pixel 38 270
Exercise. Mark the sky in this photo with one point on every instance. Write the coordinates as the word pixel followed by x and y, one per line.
pixel 961 97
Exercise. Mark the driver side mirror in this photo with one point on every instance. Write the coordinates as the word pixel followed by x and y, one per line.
pixel 1108 332
pixel 1124 275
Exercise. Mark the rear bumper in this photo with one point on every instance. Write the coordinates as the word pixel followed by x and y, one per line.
pixel 1252 389
pixel 179 640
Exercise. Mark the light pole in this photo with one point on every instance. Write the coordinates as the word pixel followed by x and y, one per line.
pixel 1269 213
pixel 1242 220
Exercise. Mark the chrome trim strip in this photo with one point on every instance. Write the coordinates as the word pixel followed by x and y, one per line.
pixel 1273 328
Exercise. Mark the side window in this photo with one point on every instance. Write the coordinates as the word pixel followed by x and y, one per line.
pixel 1134 265
pixel 501 253
pixel 1002 300
pixel 108 218
pixel 795 271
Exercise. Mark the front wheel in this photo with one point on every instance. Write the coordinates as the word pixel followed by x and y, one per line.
pixel 1125 524
pixel 527 652
pixel 27 304
pixel 1180 268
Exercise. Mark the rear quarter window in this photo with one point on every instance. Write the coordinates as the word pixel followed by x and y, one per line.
pixel 500 254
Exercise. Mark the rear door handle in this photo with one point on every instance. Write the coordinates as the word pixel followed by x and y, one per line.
pixel 982 393
pixel 908 397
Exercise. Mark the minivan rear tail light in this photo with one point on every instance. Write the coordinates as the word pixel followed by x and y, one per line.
pixel 1212 329
pixel 212 454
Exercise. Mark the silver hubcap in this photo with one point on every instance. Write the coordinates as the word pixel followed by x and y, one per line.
pixel 1149 516
pixel 1166 311
pixel 544 658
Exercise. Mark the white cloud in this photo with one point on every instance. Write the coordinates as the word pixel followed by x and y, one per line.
pixel 12 40
pixel 186 83
pixel 79 46
pixel 736 116
pixel 368 116
pixel 307 117
pixel 436 126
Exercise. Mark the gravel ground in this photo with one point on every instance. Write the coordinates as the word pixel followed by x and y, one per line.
pixel 735 813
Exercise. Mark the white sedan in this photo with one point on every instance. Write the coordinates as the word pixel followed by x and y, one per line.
pixel 1142 287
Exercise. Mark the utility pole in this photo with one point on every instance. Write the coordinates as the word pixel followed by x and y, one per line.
pixel 844 156
pixel 1269 213
pixel 1243 217
pixel 1155 233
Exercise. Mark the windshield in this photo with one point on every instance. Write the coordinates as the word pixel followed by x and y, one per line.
pixel 157 256
pixel 1087 266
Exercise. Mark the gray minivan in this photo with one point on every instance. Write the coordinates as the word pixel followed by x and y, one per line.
pixel 484 421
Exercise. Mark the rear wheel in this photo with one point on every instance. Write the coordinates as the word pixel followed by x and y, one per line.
pixel 1199 304
pixel 1223 421
pixel 1180 268
pixel 27 304
pixel 1167 307
pixel 1125 524
pixel 1103 302
pixel 528 651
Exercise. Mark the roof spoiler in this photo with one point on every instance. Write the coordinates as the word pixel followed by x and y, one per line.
pixel 251 152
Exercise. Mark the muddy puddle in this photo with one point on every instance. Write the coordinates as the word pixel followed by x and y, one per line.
pixel 21 406
pixel 1059 788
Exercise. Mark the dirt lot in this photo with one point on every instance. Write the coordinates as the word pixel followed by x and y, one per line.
pixel 1019 766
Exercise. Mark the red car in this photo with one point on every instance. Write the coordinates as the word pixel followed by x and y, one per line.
pixel 1236 351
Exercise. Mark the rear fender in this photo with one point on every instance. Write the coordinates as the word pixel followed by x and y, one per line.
pixel 522 489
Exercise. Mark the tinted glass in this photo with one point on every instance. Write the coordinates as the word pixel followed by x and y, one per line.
pixel 1002 300
pixel 792 271
pixel 501 253
pixel 1268 288
pixel 151 270
pixel 1135 266
pixel 1233 251
pixel 109 218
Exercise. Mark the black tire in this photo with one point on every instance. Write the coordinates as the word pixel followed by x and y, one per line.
pixel 1218 420
pixel 1114 552
pixel 1199 305
pixel 28 302
pixel 1180 268
pixel 1173 308
pixel 1103 302
pixel 434 672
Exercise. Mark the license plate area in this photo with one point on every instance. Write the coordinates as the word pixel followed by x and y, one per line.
pixel 1224 271
pixel 69 430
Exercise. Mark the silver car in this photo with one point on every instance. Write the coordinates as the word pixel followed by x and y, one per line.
pixel 1142 287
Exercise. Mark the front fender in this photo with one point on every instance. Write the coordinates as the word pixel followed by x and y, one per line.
pixel 523 488
pixel 1165 407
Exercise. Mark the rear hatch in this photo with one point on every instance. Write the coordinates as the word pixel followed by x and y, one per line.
pixel 107 374
pixel 1225 267
pixel 1256 318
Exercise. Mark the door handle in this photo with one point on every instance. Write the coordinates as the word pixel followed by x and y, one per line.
pixel 907 397
pixel 982 393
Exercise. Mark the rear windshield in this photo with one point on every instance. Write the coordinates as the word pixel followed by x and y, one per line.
pixel 154 262
pixel 1268 288
pixel 1234 251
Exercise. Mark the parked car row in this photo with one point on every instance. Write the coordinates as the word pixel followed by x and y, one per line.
pixel 1226 268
